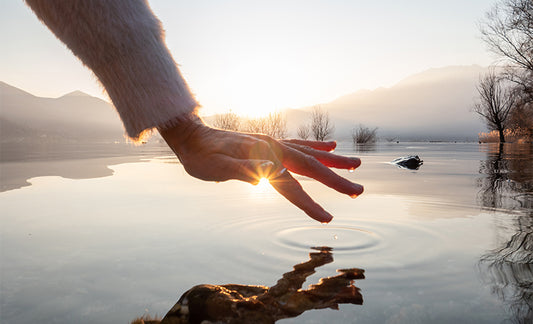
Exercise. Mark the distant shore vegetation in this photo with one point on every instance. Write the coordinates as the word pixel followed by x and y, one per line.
pixel 364 135
pixel 273 125
pixel 511 135
pixel 320 127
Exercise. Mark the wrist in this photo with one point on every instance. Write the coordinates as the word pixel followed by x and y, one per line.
pixel 180 129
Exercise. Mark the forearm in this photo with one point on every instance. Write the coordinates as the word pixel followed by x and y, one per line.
pixel 122 42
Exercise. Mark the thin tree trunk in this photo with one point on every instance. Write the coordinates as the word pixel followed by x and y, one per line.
pixel 502 137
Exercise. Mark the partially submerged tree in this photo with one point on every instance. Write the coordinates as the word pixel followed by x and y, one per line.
pixel 364 135
pixel 321 125
pixel 495 102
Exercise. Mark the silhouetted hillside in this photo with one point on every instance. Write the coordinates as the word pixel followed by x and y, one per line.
pixel 431 105
pixel 75 117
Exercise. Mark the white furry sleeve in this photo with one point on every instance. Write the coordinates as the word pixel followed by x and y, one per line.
pixel 122 42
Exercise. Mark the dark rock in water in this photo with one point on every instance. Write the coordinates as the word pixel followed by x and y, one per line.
pixel 411 162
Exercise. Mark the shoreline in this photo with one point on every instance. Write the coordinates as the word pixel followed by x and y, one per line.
pixel 21 162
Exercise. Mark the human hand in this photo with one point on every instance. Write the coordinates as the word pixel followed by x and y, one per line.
pixel 217 155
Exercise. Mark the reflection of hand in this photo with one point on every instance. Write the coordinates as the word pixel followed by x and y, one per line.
pixel 235 303
pixel 217 155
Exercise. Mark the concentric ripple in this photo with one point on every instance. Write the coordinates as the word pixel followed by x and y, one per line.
pixel 336 237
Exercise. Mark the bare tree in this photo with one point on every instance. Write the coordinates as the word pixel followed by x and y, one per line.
pixel 255 125
pixel 364 135
pixel 495 102
pixel 274 125
pixel 228 121
pixel 304 131
pixel 277 125
pixel 321 125
pixel 508 32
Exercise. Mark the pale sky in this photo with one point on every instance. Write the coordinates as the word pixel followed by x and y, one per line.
pixel 256 56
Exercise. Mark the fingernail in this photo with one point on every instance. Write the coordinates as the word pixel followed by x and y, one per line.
pixel 326 218
pixel 266 165
pixel 278 173
pixel 358 190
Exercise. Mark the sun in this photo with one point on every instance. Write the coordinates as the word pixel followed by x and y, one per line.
pixel 259 86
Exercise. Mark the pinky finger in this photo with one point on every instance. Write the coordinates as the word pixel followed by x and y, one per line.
pixel 317 145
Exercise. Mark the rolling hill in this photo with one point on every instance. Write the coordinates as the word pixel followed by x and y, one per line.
pixel 73 117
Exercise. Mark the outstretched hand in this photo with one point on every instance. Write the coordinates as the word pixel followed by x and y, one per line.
pixel 217 155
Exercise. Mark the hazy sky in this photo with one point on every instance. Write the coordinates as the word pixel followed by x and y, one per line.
pixel 254 56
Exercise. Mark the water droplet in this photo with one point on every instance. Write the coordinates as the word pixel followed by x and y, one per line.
pixel 351 170
pixel 335 237
pixel 354 196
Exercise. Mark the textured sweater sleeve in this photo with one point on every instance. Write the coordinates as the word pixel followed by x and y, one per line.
pixel 122 42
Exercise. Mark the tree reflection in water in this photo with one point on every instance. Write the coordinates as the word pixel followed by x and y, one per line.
pixel 507 185
pixel 366 147
pixel 259 304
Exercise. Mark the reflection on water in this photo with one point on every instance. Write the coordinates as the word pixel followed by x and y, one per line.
pixel 259 304
pixel 366 147
pixel 508 184
pixel 508 180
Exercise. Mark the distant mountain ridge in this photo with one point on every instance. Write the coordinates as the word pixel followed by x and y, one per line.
pixel 430 105
pixel 74 117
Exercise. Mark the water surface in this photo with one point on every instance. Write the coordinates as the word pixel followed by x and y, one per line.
pixel 450 242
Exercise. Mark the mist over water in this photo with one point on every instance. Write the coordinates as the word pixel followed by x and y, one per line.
pixel 449 242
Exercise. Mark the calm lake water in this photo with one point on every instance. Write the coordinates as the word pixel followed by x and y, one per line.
pixel 451 242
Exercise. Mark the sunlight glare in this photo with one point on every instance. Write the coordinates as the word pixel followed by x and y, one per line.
pixel 263 187
pixel 263 182
pixel 253 81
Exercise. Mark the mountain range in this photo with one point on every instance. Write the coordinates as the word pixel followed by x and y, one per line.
pixel 75 116
pixel 431 105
